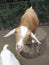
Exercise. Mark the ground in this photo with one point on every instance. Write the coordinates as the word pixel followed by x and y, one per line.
pixel 41 60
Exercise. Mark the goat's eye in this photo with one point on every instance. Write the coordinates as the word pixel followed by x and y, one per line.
pixel 29 35
pixel 15 32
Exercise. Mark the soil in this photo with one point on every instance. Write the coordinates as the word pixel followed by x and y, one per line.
pixel 42 59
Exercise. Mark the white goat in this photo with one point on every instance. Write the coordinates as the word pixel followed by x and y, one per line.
pixel 7 57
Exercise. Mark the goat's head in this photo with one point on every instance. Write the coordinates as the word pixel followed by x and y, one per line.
pixel 22 35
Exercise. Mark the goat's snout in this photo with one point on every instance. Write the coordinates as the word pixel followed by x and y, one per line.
pixel 19 48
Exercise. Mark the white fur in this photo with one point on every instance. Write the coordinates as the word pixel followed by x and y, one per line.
pixel 20 42
pixel 22 33
pixel 8 58
pixel 0 60
pixel 24 30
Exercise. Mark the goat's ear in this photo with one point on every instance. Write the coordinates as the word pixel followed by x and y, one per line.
pixel 10 33
pixel 33 36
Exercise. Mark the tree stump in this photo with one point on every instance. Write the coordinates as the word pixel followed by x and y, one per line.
pixel 33 50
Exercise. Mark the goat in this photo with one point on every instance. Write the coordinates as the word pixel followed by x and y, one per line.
pixel 7 57
pixel 29 22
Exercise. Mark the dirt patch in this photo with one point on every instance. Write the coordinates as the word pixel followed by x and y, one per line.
pixel 42 59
